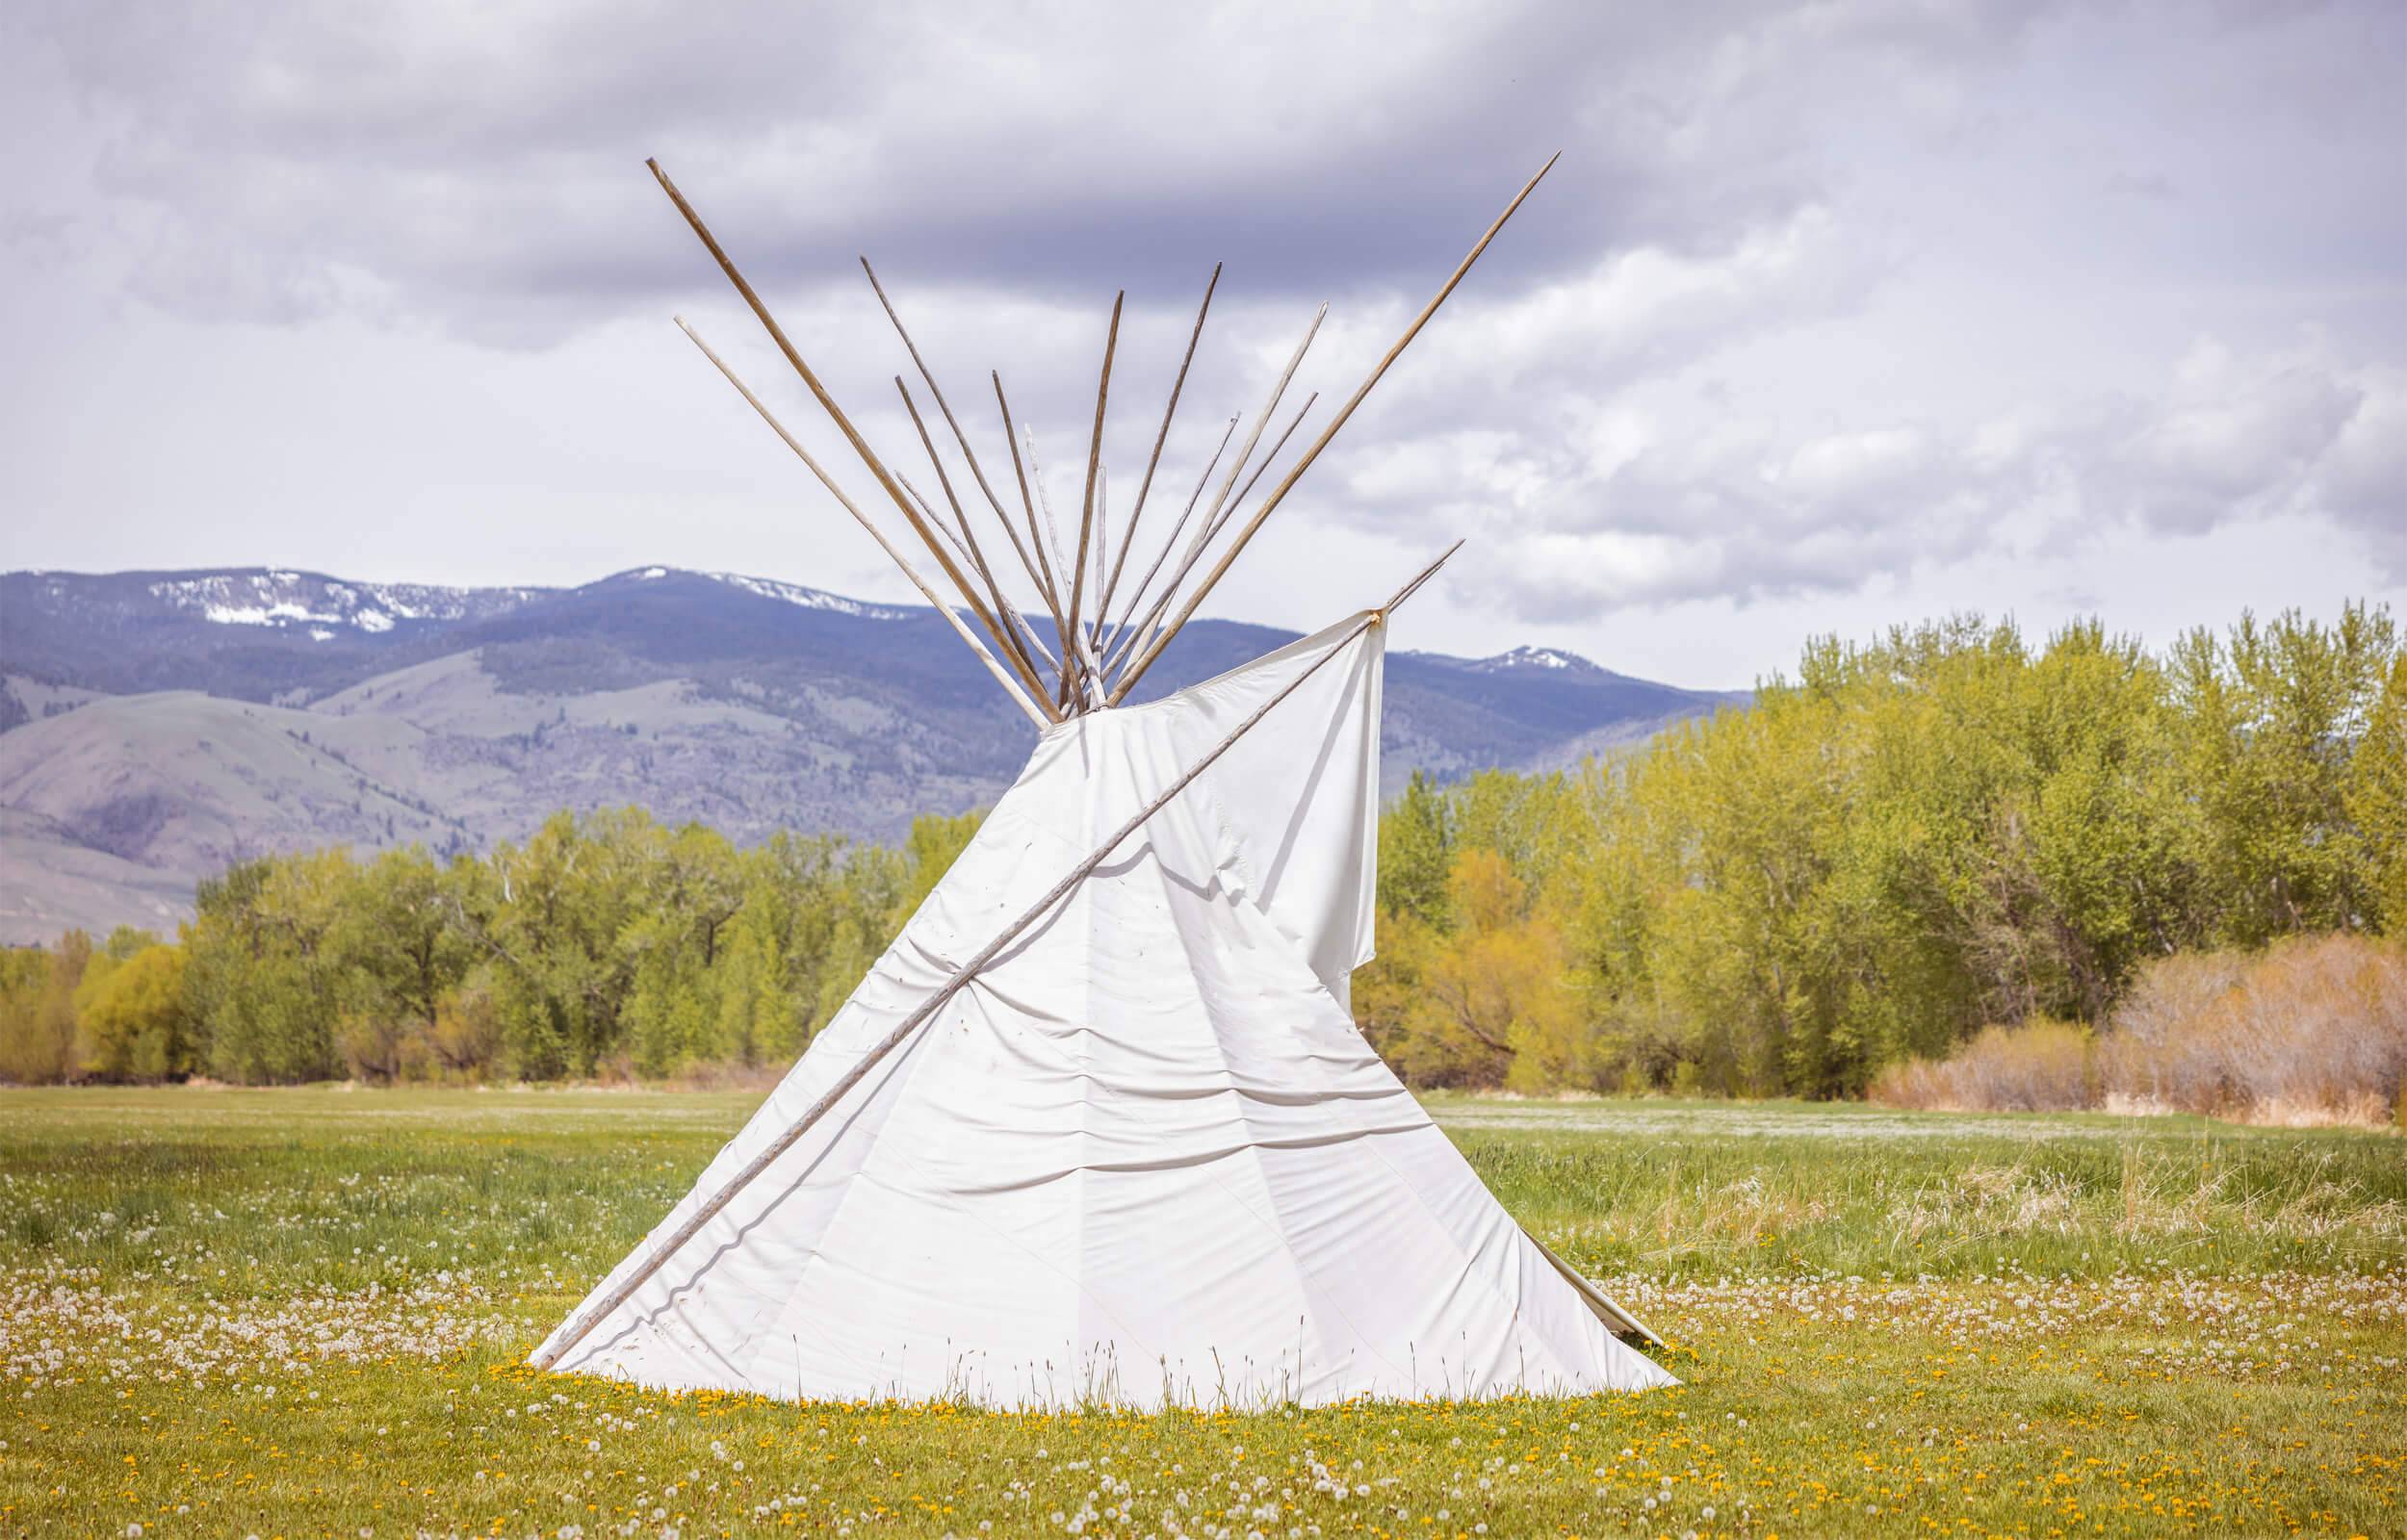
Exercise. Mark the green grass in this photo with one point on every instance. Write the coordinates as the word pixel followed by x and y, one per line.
pixel 303 1313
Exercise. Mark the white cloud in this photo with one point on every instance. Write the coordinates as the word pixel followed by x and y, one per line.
pixel 2362 475
pixel 1874 462
pixel 2233 433
pixel 2227 440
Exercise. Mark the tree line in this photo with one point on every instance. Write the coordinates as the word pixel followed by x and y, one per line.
pixel 1949 827
pixel 605 944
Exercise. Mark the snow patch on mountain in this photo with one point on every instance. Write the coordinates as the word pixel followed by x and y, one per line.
pixel 1526 657
pixel 262 614
pixel 807 597
pixel 278 598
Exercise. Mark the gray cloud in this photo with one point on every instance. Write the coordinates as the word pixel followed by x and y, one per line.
pixel 2227 439
pixel 485 172
pixel 1823 302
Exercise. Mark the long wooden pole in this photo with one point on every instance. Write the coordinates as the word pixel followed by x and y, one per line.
pixel 1124 638
pixel 1178 387
pixel 1186 611
pixel 1264 464
pixel 1211 513
pixel 1043 499
pixel 1022 631
pixel 977 471
pixel 1094 459
pixel 1261 419
pixel 1102 535
pixel 944 484
pixel 1053 590
pixel 1170 542
pixel 1011 686
pixel 969 541
pixel 1053 538
pixel 583 1323
pixel 1213 516
pixel 835 414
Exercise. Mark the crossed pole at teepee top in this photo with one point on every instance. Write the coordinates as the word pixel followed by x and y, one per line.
pixel 584 1321
pixel 1099 662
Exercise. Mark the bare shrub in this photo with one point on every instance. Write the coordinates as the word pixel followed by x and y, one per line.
pixel 1921 1084
pixel 2043 1065
pixel 715 1075
pixel 2311 1031
pixel 2157 1056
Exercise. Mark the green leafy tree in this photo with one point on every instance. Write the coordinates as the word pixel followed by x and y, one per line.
pixel 2272 714
pixel 675 946
pixel 397 933
pixel 1939 829
pixel 557 916
pixel 127 941
pixel 37 1008
pixel 1489 1002
pixel 1414 853
pixel 264 985
pixel 131 1022
pixel 935 841
pixel 2378 802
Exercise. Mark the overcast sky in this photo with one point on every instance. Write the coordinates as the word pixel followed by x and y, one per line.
pixel 1830 316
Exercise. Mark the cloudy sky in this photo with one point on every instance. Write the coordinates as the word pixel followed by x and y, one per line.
pixel 1830 316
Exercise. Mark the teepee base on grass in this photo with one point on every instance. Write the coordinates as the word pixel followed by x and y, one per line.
pixel 1141 1157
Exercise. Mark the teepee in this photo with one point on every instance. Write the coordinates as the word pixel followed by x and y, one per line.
pixel 1098 1128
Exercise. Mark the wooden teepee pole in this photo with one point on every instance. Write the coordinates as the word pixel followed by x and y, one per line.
pixel 1011 686
pixel 969 541
pixel 1261 419
pixel 1094 459
pixel 977 471
pixel 1170 542
pixel 852 435
pixel 1102 536
pixel 1070 657
pixel 1124 638
pixel 1045 566
pixel 1178 387
pixel 1021 631
pixel 583 1323
pixel 1211 520
pixel 1186 611
pixel 1265 462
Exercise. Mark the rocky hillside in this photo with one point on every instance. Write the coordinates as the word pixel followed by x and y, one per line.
pixel 155 726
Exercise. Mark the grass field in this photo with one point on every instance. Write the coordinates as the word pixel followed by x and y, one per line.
pixel 303 1313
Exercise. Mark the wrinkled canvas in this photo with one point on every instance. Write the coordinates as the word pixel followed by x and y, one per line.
pixel 1143 1158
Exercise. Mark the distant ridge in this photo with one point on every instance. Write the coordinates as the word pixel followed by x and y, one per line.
pixel 155 726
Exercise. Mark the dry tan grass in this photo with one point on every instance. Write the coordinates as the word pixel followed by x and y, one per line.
pixel 2311 1032
pixel 2308 1033
pixel 1984 1202
pixel 2041 1066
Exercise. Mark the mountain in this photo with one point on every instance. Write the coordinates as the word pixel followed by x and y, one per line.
pixel 155 726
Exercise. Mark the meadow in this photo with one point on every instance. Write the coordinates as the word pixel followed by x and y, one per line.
pixel 303 1312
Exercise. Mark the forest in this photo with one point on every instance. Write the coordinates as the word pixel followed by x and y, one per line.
pixel 606 945
pixel 1946 830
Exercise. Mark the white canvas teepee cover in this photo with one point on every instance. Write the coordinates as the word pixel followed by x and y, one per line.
pixel 1144 1157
